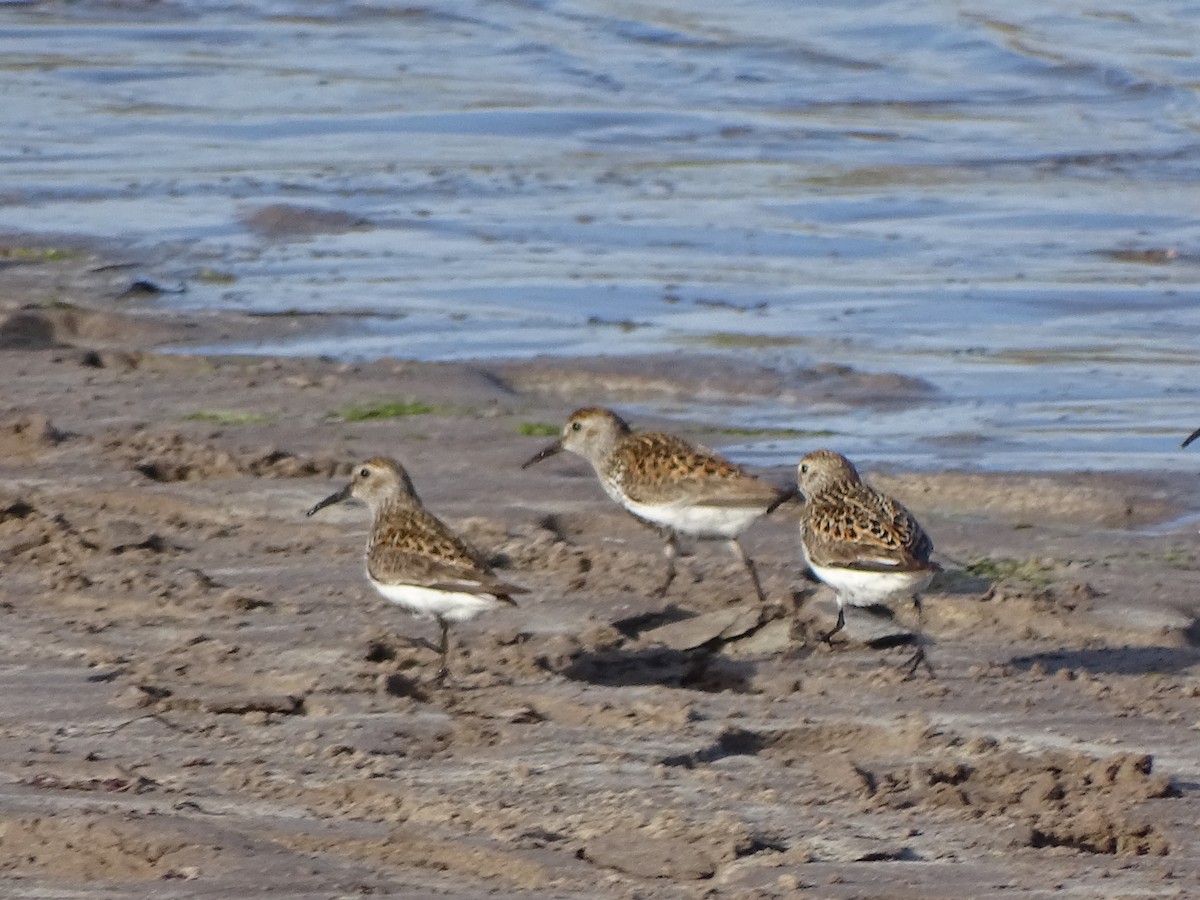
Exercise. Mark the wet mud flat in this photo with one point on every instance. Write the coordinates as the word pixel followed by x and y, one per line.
pixel 204 698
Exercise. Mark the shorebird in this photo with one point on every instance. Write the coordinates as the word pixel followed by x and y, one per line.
pixel 859 541
pixel 414 560
pixel 666 482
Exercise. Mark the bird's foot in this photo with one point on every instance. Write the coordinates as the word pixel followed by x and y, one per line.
pixel 826 637
pixel 916 661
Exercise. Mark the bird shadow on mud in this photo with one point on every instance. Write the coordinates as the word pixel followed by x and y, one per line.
pixel 699 669
pixel 1114 660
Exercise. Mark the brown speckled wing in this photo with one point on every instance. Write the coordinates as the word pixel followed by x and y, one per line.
pixel 660 468
pixel 855 526
pixel 415 547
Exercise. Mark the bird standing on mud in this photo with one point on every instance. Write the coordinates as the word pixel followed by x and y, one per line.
pixel 859 541
pixel 666 482
pixel 415 560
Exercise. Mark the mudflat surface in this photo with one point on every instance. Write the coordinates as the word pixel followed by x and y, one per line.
pixel 204 698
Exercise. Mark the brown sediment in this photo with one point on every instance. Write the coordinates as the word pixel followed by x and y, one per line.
pixel 200 686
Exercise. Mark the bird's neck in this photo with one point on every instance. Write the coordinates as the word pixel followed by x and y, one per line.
pixel 603 455
pixel 391 508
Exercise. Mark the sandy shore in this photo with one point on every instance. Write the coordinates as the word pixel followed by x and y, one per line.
pixel 200 686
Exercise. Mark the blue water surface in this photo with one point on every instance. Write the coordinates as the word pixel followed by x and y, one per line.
pixel 1001 199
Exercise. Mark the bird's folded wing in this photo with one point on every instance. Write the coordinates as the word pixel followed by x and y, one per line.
pixel 739 493
pixel 871 526
pixel 501 590
pixel 866 564
pixel 391 566
pixel 864 546
pixel 661 468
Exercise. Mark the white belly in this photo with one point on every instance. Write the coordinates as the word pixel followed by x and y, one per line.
pixel 696 521
pixel 687 518
pixel 868 588
pixel 453 606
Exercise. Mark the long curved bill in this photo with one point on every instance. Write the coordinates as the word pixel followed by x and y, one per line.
pixel 338 497
pixel 545 453
pixel 1191 437
pixel 787 494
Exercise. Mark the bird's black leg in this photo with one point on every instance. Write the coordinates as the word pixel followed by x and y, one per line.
pixel 920 658
pixel 917 660
pixel 749 564
pixel 443 651
pixel 841 623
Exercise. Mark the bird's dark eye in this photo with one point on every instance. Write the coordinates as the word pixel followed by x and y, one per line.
pixel 804 469
pixel 576 426
pixel 364 472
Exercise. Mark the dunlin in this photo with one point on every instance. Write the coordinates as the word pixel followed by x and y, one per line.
pixel 860 542
pixel 667 482
pixel 413 559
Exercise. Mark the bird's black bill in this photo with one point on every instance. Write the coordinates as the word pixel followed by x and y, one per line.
pixel 789 494
pixel 341 495
pixel 546 452
pixel 1191 437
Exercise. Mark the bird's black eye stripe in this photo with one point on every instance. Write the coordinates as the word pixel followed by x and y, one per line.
pixel 575 426
pixel 364 472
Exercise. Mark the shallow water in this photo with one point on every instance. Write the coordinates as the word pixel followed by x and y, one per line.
pixel 1000 200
